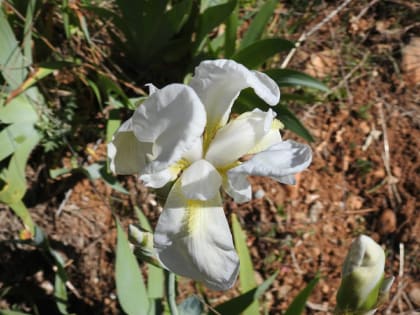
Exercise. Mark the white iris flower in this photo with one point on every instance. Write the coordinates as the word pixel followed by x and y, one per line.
pixel 182 133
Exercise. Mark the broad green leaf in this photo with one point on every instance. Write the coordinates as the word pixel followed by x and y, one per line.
pixel 13 136
pixel 246 270
pixel 12 62
pixel 299 302
pixel 257 53
pixel 191 306
pixel 238 304
pixel 18 110
pixel 211 18
pixel 258 24
pixel 131 290
pixel 287 77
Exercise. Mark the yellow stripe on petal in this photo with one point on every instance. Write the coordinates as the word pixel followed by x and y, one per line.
pixel 272 137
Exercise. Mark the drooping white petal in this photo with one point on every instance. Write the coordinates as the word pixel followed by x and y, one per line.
pixel 238 137
pixel 201 181
pixel 126 153
pixel 193 239
pixel 279 162
pixel 172 118
pixel 238 187
pixel 219 82
pixel 161 178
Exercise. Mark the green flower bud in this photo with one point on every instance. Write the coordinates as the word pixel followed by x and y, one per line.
pixel 363 287
pixel 142 242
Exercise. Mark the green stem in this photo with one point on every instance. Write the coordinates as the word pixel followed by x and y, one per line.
pixel 170 292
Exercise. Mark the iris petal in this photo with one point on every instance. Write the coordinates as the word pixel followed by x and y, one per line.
pixel 239 137
pixel 172 118
pixel 127 155
pixel 279 161
pixel 219 82
pixel 201 181
pixel 192 239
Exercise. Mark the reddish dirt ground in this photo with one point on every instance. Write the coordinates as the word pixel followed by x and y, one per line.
pixel 364 179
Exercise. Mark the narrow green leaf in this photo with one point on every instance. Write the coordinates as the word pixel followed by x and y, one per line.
pixel 259 23
pixel 60 294
pixel 292 123
pixel 10 312
pixel 230 33
pixel 156 278
pixel 298 304
pixel 22 212
pixel 287 77
pixel 131 290
pixel 246 270
pixel 211 18
pixel 238 304
pixel 248 101
pixel 66 17
pixel 113 123
pixel 27 31
pixel 257 53
pixel 144 222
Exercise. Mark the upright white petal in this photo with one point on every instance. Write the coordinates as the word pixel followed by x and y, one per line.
pixel 201 181
pixel 219 82
pixel 238 137
pixel 193 239
pixel 279 161
pixel 126 153
pixel 172 118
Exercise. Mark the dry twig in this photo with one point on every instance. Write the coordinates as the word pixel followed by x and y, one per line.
pixel 306 35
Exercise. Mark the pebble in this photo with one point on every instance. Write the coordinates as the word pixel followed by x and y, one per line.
pixel 414 296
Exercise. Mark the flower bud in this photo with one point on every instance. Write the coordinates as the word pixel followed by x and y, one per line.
pixel 363 287
pixel 142 242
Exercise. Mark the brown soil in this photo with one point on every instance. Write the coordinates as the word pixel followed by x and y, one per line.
pixel 364 179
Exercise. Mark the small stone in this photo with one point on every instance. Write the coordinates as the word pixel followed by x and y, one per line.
pixel 414 296
pixel 259 194
pixel 388 222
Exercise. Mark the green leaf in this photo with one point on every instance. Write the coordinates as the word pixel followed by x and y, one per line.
pixel 22 212
pixel 238 304
pixel 10 312
pixel 112 124
pixel 292 123
pixel 287 77
pixel 257 53
pixel 60 294
pixel 27 30
pixel 298 304
pixel 156 278
pixel 248 101
pixel 230 33
pixel 211 18
pixel 258 24
pixel 12 61
pixel 18 110
pixel 191 306
pixel 246 270
pixel 131 290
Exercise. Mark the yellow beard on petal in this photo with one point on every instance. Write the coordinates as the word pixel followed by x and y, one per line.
pixel 193 213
